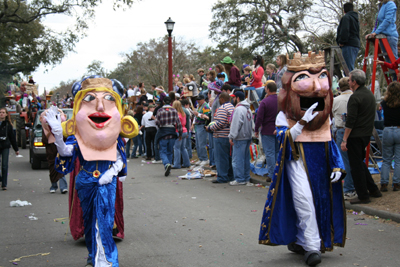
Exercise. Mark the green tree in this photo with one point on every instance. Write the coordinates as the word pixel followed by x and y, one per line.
pixel 26 42
pixel 96 68
pixel 148 63
pixel 264 26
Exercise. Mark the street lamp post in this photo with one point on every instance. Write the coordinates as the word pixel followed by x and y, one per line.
pixel 170 27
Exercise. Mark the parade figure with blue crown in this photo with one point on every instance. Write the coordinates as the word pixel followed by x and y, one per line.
pixel 305 207
pixel 95 137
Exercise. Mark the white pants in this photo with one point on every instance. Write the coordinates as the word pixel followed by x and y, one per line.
pixel 307 227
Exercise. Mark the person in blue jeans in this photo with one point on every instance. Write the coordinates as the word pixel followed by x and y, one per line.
pixel 348 35
pixel 137 143
pixel 63 186
pixel 386 24
pixel 170 128
pixel 180 151
pixel 348 185
pixel 339 108
pixel 202 114
pixel 222 148
pixel 265 124
pixel 391 137
pixel 240 135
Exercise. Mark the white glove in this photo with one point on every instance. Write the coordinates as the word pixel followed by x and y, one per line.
pixel 122 178
pixel 106 178
pixel 309 116
pixel 335 176
pixel 113 171
pixel 53 119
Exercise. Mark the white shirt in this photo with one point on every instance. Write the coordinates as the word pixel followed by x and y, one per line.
pixel 340 106
pixel 130 92
pixel 145 120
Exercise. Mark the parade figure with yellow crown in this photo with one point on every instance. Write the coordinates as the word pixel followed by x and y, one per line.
pixel 305 207
pixel 95 137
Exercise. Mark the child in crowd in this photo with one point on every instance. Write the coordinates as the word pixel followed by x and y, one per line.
pixel 247 73
pixel 221 76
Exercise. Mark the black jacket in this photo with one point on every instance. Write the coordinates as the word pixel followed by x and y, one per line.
pixel 7 137
pixel 348 31
pixel 361 110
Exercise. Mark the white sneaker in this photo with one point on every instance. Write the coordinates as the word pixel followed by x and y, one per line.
pixel 237 183
pixel 64 191
pixel 249 184
pixel 350 195
pixel 203 163
pixel 52 191
pixel 157 162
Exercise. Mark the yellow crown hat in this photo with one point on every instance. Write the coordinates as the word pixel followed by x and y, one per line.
pixel 129 126
pixel 307 61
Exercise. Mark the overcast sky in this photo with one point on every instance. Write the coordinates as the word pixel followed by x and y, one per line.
pixel 116 32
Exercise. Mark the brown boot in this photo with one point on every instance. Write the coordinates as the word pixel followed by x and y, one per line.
pixel 396 187
pixel 384 187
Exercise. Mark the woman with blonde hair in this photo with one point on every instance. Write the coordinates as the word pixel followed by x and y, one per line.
pixel 179 147
pixel 391 136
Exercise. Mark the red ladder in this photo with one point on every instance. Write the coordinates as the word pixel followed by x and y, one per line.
pixel 378 54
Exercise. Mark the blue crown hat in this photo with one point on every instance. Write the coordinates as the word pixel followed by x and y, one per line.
pixel 219 83
pixel 117 85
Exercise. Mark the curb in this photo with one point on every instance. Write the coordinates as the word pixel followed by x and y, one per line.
pixel 373 212
pixel 367 210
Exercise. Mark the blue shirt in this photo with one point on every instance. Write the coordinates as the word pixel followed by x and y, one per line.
pixel 387 20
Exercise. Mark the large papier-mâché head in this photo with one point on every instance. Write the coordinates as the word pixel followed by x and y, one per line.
pixel 304 84
pixel 97 119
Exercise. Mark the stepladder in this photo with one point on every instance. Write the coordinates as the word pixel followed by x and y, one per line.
pixel 333 56
pixel 380 41
pixel 382 52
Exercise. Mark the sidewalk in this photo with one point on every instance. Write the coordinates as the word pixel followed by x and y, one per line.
pixel 365 208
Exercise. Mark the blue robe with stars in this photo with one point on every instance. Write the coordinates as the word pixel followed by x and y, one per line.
pixel 278 225
pixel 97 201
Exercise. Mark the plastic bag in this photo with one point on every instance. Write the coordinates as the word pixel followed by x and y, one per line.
pixel 19 203
pixel 192 175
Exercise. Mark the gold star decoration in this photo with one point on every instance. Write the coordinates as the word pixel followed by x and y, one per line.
pixel 272 192
pixel 267 209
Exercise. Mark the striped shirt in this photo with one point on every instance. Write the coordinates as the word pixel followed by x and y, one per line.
pixel 221 127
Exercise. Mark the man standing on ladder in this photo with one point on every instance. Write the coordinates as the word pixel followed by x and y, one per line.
pixel 348 35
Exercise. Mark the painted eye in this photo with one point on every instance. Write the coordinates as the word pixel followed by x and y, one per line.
pixel 301 77
pixel 89 98
pixel 323 75
pixel 109 97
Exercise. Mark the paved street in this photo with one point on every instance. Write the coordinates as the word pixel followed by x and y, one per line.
pixel 170 222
